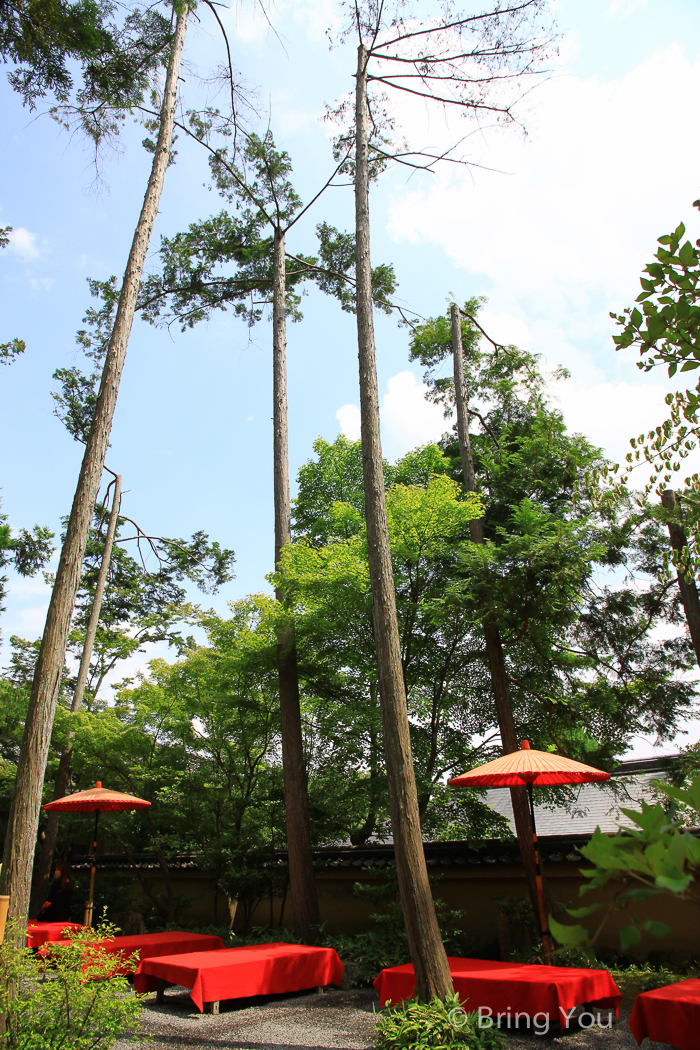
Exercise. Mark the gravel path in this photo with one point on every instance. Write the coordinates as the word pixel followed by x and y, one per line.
pixel 336 1020
pixel 619 1037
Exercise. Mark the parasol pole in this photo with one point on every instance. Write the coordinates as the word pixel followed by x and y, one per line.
pixel 544 926
pixel 87 919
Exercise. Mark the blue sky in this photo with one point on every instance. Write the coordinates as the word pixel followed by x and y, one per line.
pixel 555 237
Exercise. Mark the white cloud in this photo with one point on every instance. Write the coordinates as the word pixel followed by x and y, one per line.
pixel 44 284
pixel 29 587
pixel 407 418
pixel 565 236
pixel 609 414
pixel 138 663
pixel 30 622
pixel 23 243
pixel 624 8
pixel 254 22
pixel 349 418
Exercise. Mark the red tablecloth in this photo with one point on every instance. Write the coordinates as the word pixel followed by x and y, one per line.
pixel 39 933
pixel 172 942
pixel 234 973
pixel 669 1015
pixel 511 988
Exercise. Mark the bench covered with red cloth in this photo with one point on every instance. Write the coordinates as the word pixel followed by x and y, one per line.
pixel 150 945
pixel 669 1015
pixel 39 933
pixel 235 973
pixel 511 988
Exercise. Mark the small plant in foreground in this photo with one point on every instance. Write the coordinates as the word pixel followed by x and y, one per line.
pixel 68 996
pixel 437 1024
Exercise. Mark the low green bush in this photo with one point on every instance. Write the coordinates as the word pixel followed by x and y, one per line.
pixel 437 1024
pixel 67 996
pixel 386 943
pixel 369 952
pixel 636 979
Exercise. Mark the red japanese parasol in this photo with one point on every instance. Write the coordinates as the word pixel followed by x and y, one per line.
pixel 95 800
pixel 523 769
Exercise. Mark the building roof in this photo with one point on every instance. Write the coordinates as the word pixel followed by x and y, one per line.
pixel 591 806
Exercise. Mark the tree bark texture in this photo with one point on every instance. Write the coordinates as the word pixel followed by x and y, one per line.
pixel 42 878
pixel 687 587
pixel 492 639
pixel 23 822
pixel 96 609
pixel 425 943
pixel 303 892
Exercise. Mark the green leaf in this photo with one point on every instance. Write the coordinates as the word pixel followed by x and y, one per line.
pixel 639 893
pixel 629 936
pixel 664 882
pixel 581 913
pixel 657 929
pixel 569 935
pixel 687 254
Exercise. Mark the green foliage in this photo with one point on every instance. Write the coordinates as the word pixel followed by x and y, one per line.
pixel 438 1024
pixel 199 739
pixel 634 980
pixel 118 60
pixel 658 856
pixel 583 663
pixel 251 876
pixel 664 330
pixel 386 943
pixel 141 606
pixel 41 35
pixel 586 667
pixel 27 552
pixel 12 349
pixel 256 185
pixel 335 268
pixel 326 579
pixel 431 344
pixel 68 997
pixel 75 404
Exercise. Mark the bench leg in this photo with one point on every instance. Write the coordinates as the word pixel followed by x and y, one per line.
pixel 160 991
pixel 320 988
pixel 212 1008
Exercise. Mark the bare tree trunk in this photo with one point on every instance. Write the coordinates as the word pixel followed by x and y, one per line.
pixel 42 877
pixel 427 951
pixel 20 840
pixel 96 609
pixel 687 587
pixel 494 650
pixel 305 910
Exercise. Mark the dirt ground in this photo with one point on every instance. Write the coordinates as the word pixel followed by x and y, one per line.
pixel 335 1020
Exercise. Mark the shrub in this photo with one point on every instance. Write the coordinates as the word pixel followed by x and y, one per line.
pixel 369 952
pixel 635 979
pixel 387 944
pixel 67 996
pixel 437 1024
